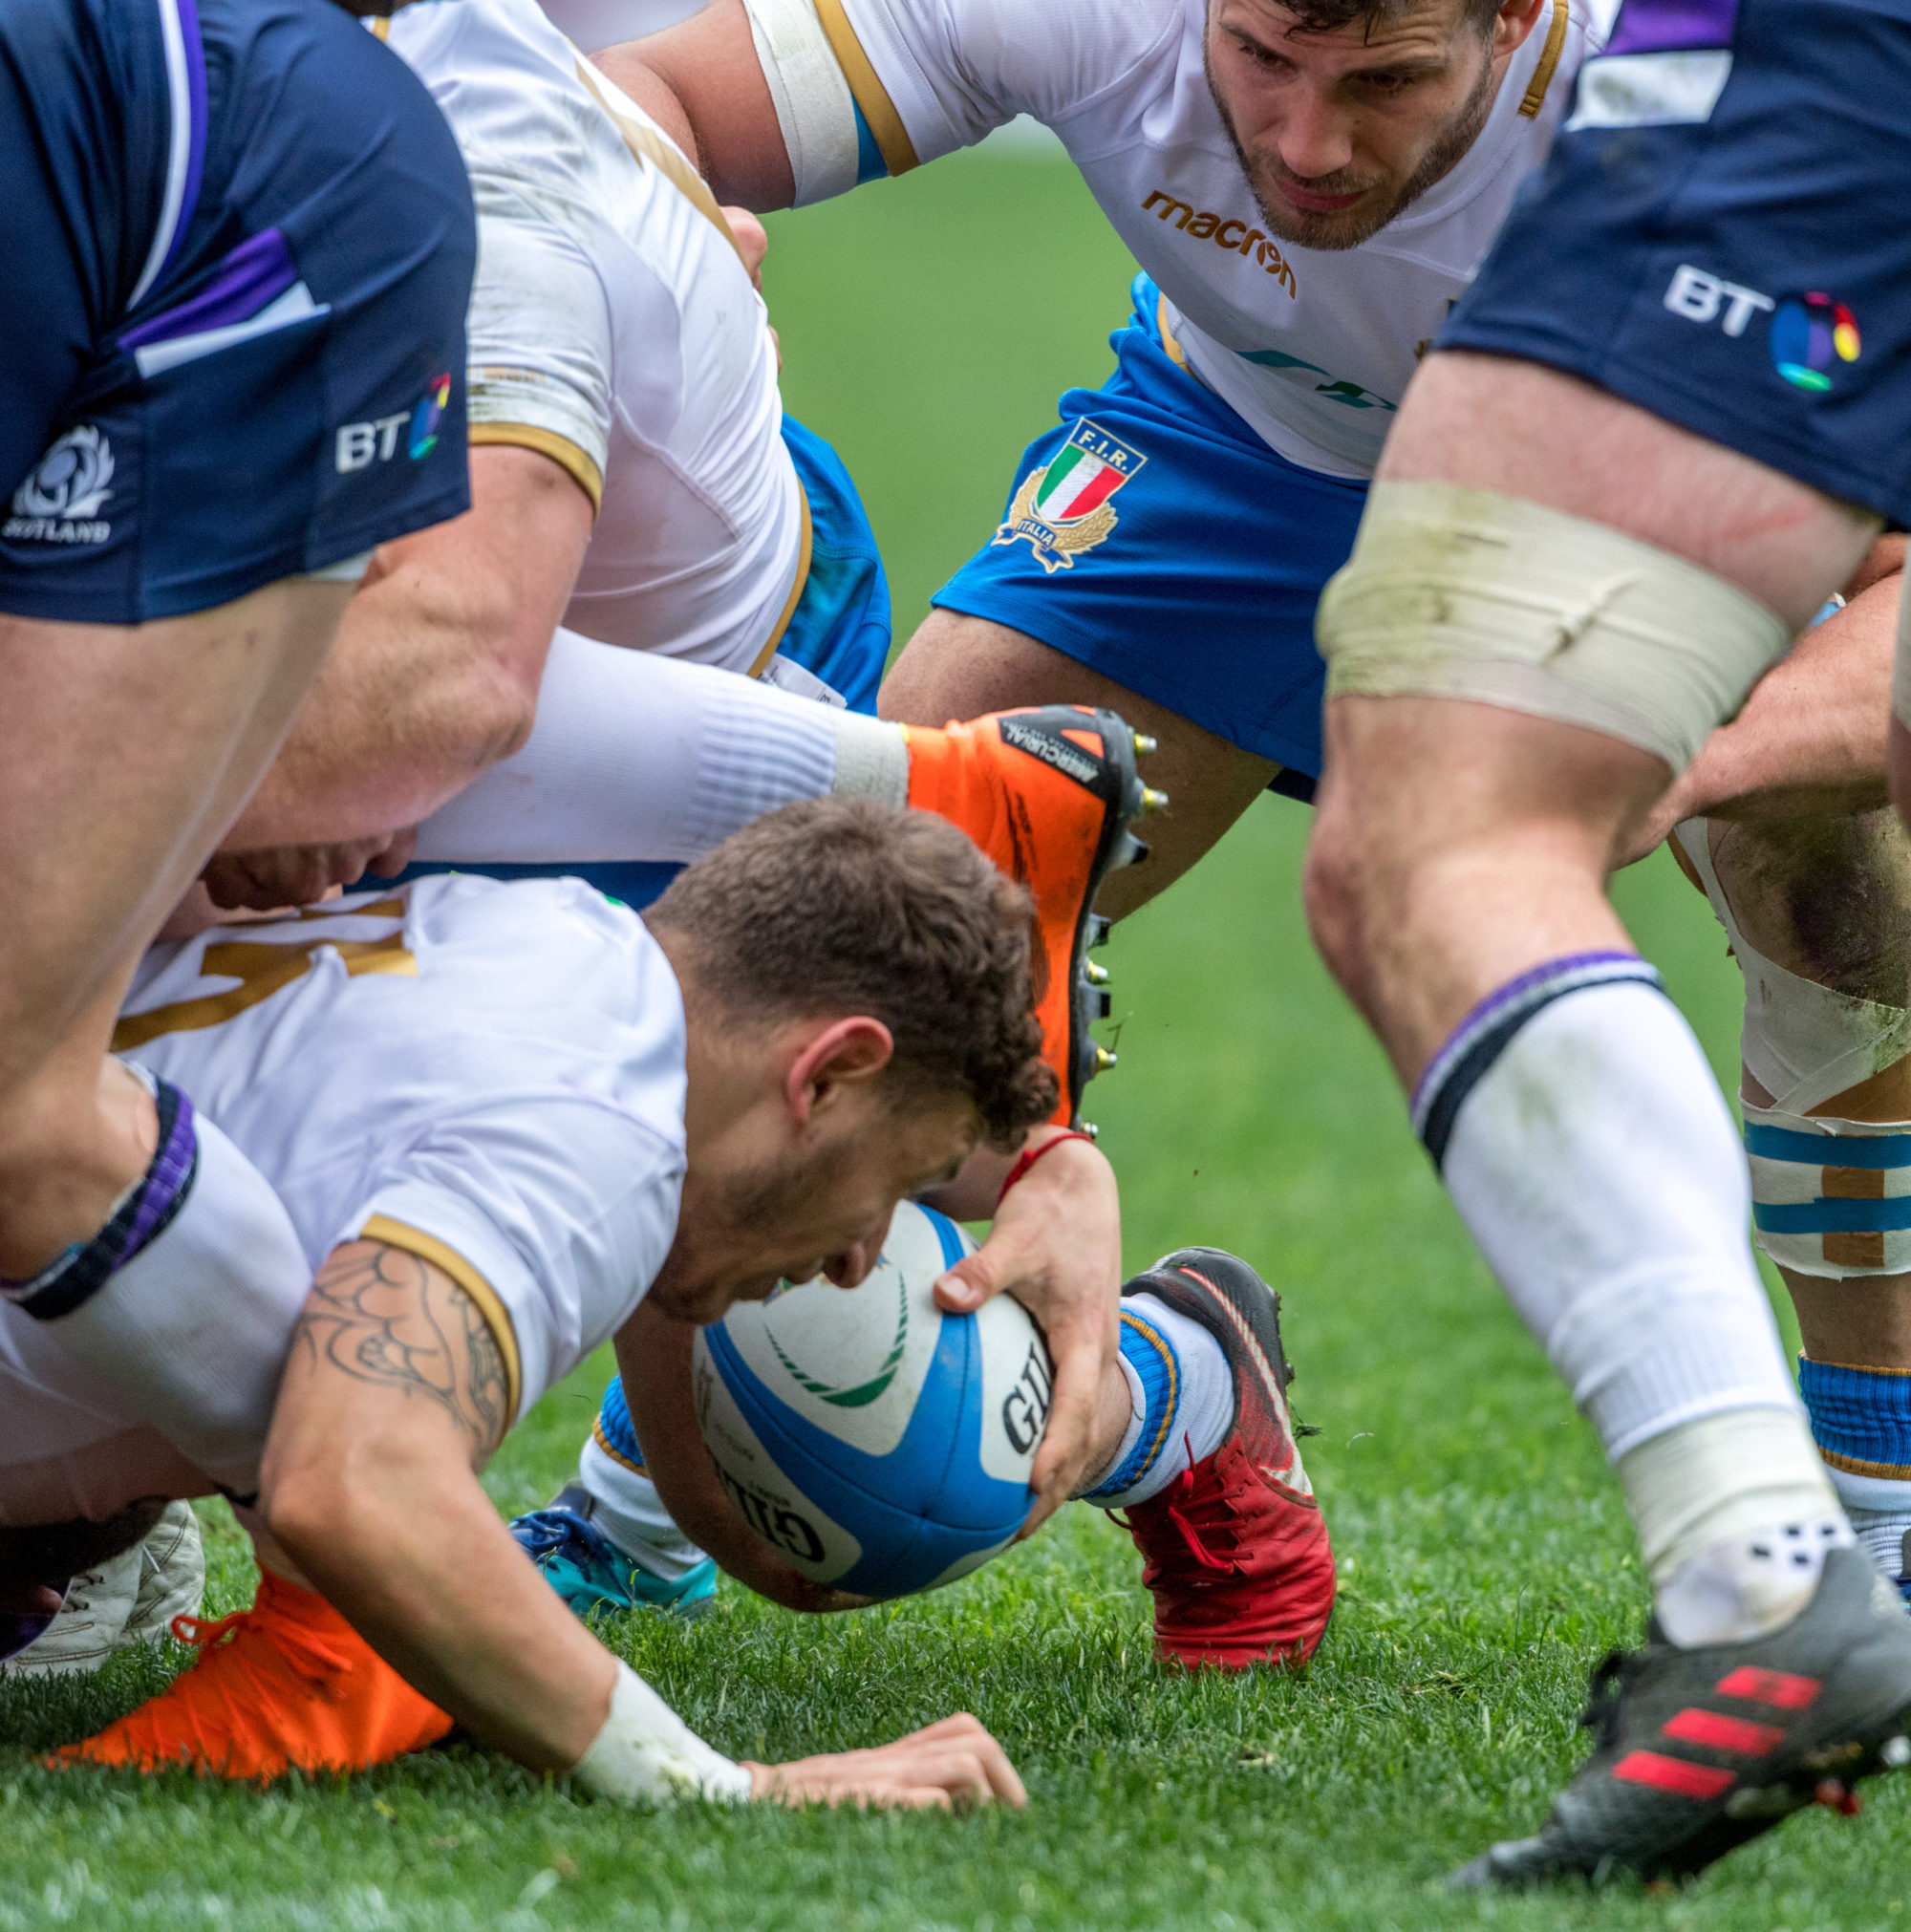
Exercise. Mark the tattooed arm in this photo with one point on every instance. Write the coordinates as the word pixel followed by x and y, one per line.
pixel 393 1396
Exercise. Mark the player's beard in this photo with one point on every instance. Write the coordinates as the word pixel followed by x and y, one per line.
pixel 1351 226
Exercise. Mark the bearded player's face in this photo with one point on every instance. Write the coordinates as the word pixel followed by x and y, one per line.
pixel 1338 132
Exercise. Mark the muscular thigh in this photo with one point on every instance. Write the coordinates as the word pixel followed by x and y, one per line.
pixel 959 666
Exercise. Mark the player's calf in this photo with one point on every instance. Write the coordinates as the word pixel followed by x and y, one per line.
pixel 1819 909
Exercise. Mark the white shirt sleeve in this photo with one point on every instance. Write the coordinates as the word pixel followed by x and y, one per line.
pixel 932 75
pixel 541 354
pixel 554 1215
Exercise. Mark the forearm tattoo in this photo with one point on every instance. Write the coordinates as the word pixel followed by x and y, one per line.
pixel 390 1317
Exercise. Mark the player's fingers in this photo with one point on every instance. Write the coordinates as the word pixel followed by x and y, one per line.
pixel 1063 1459
pixel 976 1279
pixel 397 855
pixel 992 1764
pixel 922 1798
pixel 753 242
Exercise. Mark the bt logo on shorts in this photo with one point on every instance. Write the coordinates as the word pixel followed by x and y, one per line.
pixel 1700 297
pixel 361 444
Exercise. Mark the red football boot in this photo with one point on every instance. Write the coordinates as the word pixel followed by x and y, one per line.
pixel 286 1684
pixel 1237 1556
pixel 1050 794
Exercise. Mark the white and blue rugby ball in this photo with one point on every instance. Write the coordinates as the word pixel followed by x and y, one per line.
pixel 880 1445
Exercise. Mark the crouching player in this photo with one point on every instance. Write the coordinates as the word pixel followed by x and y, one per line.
pixel 1192 1438
pixel 499 1116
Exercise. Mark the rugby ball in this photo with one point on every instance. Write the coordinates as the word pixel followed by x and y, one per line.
pixel 878 1443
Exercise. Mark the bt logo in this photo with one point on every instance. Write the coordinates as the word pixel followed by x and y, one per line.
pixel 1699 297
pixel 360 444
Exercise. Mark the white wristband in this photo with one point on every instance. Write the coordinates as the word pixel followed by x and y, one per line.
pixel 646 1751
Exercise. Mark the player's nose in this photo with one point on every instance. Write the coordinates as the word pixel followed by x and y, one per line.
pixel 853 1265
pixel 1315 138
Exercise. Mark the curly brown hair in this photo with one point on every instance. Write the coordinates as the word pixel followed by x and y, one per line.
pixel 845 906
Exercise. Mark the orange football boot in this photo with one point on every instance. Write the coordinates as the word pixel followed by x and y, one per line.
pixel 287 1684
pixel 1050 794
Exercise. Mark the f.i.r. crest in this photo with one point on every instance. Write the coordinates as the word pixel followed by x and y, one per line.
pixel 1064 507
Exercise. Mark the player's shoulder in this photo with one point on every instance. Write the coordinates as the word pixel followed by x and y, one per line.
pixel 1047 56
pixel 503 75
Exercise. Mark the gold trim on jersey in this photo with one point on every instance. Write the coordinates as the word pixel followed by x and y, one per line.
pixel 576 463
pixel 1549 60
pixel 1167 341
pixel 264 967
pixel 497 1317
pixel 647 145
pixel 791 603
pixel 891 137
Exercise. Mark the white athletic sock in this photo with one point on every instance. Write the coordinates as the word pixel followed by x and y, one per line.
pixel 1885 1532
pixel 627 1509
pixel 636 757
pixel 1585 1144
pixel 191 1329
pixel 1182 1398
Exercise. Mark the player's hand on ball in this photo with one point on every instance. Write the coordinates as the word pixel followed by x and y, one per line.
pixel 948 1766
pixel 1056 1246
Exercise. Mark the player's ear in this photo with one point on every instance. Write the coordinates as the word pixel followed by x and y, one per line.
pixel 1515 20
pixel 842 1054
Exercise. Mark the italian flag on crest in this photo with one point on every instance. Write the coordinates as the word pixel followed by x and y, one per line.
pixel 1089 468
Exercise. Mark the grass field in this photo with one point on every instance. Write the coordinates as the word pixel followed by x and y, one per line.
pixel 1484 1556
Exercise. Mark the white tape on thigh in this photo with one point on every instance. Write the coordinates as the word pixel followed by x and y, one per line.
pixel 1455 592
pixel 647 1753
pixel 814 107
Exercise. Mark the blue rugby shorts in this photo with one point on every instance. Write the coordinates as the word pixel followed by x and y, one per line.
pixel 1720 236
pixel 236 247
pixel 1155 538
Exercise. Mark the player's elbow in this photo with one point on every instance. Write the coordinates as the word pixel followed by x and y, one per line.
pixel 309 1507
pixel 498 706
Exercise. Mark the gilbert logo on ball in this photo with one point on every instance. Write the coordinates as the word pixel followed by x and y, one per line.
pixel 878 1443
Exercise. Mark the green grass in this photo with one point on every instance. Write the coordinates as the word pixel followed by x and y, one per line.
pixel 1484 1558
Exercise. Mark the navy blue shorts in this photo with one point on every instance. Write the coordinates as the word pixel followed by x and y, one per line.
pixel 1720 236
pixel 236 245
pixel 1156 538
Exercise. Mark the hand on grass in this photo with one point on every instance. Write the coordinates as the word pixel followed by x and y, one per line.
pixel 948 1766
pixel 1056 1246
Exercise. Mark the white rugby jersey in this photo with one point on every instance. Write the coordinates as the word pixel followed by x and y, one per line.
pixel 488 1075
pixel 1313 348
pixel 615 328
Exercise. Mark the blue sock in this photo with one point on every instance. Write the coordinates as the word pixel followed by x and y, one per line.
pixel 612 1431
pixel 1862 1421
